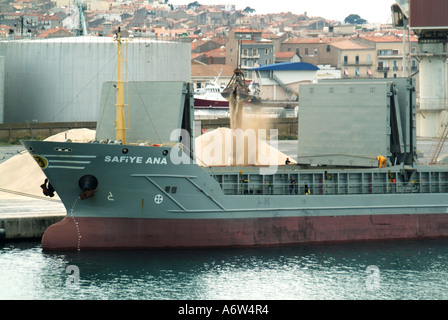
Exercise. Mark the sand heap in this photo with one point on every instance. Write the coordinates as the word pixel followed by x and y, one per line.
pixel 22 174
pixel 226 147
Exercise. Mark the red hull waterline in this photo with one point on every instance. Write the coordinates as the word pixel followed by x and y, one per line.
pixel 73 234
pixel 210 103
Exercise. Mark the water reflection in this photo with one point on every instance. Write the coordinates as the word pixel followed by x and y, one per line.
pixel 385 270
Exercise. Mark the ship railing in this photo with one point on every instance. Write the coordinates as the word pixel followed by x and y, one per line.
pixel 247 187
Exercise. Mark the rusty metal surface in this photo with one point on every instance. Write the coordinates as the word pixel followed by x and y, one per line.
pixel 429 14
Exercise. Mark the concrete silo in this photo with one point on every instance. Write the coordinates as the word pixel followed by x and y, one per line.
pixel 60 80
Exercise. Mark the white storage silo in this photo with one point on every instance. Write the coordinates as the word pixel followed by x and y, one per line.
pixel 59 80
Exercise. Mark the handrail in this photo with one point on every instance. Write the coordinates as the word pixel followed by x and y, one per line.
pixel 244 186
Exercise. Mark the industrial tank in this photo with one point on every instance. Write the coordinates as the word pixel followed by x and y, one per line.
pixel 60 80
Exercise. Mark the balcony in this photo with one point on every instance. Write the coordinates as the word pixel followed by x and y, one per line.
pixel 358 64
pixel 392 54
pixel 248 56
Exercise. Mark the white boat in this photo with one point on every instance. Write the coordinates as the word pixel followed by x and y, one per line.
pixel 210 97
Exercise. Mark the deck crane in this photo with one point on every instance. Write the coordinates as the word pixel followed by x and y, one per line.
pixel 237 92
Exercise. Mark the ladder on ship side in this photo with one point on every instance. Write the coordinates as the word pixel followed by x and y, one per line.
pixel 438 144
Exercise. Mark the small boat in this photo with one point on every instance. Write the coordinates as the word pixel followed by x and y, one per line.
pixel 210 97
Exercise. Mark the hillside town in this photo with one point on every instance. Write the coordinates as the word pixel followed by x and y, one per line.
pixel 223 38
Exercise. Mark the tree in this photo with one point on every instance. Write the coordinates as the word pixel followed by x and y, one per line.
pixel 354 19
pixel 249 10
pixel 194 5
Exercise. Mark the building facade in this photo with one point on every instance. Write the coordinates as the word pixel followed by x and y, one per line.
pixel 353 59
pixel 247 49
pixel 393 58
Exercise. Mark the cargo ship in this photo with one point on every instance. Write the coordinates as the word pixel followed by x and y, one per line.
pixel 136 191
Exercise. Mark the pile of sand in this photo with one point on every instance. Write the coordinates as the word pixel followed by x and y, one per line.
pixel 224 147
pixel 21 173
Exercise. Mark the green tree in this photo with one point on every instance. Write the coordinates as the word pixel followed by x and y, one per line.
pixel 193 5
pixel 248 10
pixel 354 19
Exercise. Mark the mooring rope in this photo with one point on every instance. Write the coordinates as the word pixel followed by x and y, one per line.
pixel 29 195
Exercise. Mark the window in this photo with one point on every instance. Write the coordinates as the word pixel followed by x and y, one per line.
pixel 383 65
pixel 306 51
pixel 357 59
pixel 395 65
pixel 345 59
pixel 328 48
pixel 254 52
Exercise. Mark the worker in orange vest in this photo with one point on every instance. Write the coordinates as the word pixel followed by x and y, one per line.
pixel 381 162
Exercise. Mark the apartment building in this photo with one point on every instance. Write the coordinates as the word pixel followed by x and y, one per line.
pixel 247 49
pixel 353 59
pixel 308 48
pixel 364 56
pixel 388 58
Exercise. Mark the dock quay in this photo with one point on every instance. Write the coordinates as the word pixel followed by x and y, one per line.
pixel 22 219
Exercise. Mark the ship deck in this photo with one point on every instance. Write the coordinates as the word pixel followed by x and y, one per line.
pixel 301 180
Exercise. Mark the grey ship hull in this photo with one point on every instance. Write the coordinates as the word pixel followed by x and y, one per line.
pixel 144 200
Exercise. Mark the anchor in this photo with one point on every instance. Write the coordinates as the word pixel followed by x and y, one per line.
pixel 47 188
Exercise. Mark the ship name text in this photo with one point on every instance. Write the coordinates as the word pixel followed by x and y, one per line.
pixel 138 160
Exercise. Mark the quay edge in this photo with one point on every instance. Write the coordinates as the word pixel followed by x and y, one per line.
pixel 24 227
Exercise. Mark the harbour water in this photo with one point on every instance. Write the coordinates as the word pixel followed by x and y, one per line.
pixel 399 270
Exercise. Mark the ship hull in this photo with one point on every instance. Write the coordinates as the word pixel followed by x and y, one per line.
pixel 88 233
pixel 144 197
pixel 207 103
